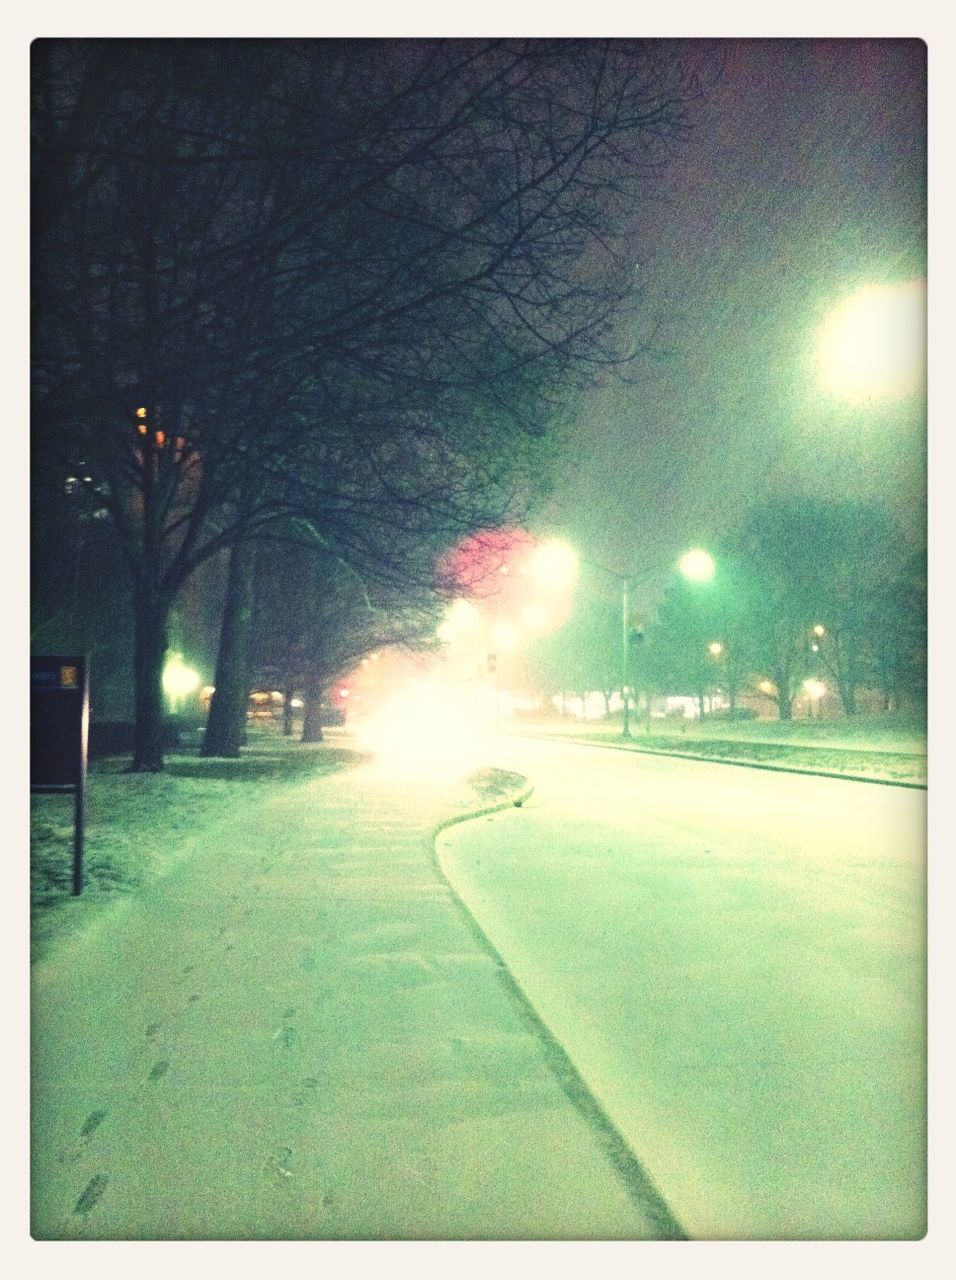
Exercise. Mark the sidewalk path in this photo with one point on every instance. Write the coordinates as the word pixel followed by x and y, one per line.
pixel 301 1035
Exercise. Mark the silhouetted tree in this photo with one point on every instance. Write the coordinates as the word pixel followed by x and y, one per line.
pixel 315 619
pixel 299 257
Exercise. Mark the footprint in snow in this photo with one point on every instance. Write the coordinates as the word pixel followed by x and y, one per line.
pixel 286 1036
pixel 87 1129
pixel 91 1193
pixel 279 1162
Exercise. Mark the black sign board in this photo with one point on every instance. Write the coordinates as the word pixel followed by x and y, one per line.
pixel 59 726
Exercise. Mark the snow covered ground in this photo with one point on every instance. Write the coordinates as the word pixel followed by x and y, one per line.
pixel 138 826
pixel 889 748
pixel 272 1020
pixel 267 1017
pixel 734 960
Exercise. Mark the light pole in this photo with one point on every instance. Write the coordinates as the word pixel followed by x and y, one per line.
pixel 625 638
pixel 696 565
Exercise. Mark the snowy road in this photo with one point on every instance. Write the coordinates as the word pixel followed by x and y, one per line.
pixel 734 960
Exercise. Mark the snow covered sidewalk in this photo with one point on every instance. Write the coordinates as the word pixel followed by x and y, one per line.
pixel 298 1033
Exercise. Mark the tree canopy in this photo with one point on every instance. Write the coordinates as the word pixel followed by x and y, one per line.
pixel 348 282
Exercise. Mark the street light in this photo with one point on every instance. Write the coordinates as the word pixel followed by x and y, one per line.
pixel 874 343
pixel 179 681
pixel 816 689
pixel 696 565
pixel 554 564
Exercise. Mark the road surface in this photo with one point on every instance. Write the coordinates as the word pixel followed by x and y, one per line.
pixel 735 961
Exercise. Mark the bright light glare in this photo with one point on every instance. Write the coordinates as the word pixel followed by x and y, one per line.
pixel 554 564
pixel 874 343
pixel 697 565
pixel 591 707
pixel 461 617
pixel 178 679
pixel 534 617
pixel 429 733
pixel 815 688
pixel 715 649
pixel 506 637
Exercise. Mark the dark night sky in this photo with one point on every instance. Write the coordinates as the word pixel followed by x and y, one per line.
pixel 803 180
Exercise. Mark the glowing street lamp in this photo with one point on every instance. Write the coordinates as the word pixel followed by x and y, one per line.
pixel 460 617
pixel 697 565
pixel 179 681
pixel 554 564
pixel 874 343
pixel 816 689
pixel 715 649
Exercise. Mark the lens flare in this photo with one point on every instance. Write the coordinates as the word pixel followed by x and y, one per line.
pixel 432 731
pixel 874 344
pixel 554 565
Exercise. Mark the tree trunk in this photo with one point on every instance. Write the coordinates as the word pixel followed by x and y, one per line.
pixel 847 686
pixel 312 698
pixel 288 691
pixel 225 729
pixel 151 636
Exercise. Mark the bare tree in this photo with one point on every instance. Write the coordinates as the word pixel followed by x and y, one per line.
pixel 306 258
pixel 316 618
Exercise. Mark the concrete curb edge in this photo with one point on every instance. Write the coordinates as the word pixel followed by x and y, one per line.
pixel 740 764
pixel 639 1185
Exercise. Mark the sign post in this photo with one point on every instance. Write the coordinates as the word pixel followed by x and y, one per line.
pixel 59 729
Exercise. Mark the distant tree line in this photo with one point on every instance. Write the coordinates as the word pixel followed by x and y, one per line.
pixel 316 305
pixel 804 588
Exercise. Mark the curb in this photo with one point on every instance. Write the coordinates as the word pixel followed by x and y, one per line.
pixel 740 764
pixel 638 1184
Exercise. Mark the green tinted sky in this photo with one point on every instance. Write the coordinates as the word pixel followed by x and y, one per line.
pixel 803 179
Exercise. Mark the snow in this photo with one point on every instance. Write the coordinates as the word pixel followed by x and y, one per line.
pixel 271 1019
pixel 883 748
pixel 734 961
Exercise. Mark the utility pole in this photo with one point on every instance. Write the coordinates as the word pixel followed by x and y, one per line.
pixel 625 591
